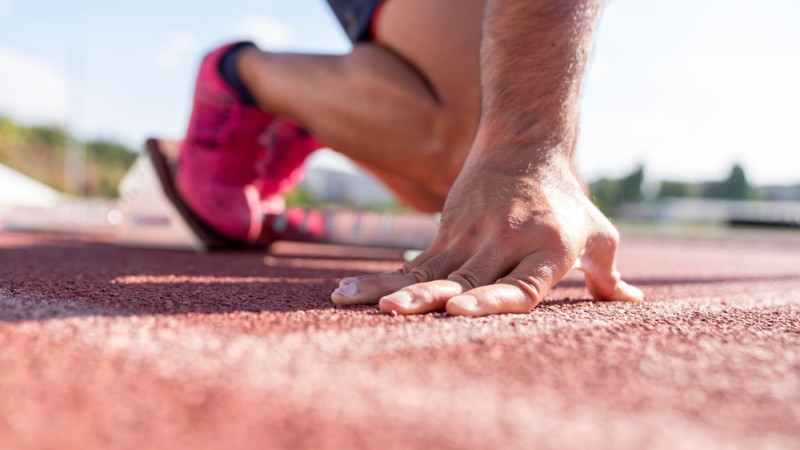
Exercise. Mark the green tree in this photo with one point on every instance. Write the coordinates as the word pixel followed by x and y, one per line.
pixel 9 137
pixel 604 193
pixel 9 132
pixel 48 136
pixel 736 186
pixel 677 189
pixel 630 187
pixel 110 153
pixel 38 152
pixel 609 194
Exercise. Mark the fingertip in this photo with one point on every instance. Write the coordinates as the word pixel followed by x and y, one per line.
pixel 343 294
pixel 349 295
pixel 347 280
pixel 627 293
pixel 396 303
pixel 499 298
pixel 463 305
pixel 367 290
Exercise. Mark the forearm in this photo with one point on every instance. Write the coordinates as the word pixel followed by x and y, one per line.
pixel 516 220
pixel 533 54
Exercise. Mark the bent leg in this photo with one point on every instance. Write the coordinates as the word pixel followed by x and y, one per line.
pixel 405 107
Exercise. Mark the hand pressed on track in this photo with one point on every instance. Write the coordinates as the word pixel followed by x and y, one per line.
pixel 507 236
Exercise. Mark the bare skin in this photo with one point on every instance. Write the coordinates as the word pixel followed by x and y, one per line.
pixel 536 223
pixel 405 107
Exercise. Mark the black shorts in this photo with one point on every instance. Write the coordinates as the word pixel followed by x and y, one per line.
pixel 356 17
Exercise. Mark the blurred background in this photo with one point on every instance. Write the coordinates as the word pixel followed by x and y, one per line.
pixel 689 112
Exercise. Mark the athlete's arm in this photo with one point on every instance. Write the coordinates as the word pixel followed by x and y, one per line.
pixel 516 220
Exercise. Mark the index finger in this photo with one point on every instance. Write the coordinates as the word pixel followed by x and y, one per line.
pixel 518 292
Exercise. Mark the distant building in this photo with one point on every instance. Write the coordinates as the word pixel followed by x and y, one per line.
pixel 699 210
pixel 780 192
pixel 332 178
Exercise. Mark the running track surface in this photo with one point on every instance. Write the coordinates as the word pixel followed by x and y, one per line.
pixel 105 347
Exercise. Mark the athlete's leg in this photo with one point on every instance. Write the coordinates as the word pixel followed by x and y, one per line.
pixel 406 106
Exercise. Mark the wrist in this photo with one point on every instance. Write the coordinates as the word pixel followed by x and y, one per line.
pixel 548 136
pixel 546 157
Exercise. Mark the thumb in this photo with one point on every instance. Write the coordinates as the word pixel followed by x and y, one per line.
pixel 598 263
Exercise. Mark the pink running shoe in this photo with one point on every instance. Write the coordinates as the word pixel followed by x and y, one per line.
pixel 288 146
pixel 226 174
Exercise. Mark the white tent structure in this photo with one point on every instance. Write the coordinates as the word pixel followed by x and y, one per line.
pixel 27 204
pixel 18 190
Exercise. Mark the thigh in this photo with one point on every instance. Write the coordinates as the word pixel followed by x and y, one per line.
pixel 440 39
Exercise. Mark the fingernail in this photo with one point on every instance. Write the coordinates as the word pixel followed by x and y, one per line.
pixel 399 298
pixel 348 290
pixel 466 302
pixel 347 280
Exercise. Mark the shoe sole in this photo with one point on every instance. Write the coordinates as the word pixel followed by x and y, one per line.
pixel 164 154
pixel 359 228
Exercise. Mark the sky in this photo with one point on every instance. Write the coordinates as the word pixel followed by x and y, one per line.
pixel 685 87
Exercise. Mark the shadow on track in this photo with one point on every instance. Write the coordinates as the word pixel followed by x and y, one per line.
pixel 58 277
pixel 62 278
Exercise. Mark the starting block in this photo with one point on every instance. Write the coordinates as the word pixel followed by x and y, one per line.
pixel 154 216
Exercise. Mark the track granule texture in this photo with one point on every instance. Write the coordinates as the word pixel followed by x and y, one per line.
pixel 105 347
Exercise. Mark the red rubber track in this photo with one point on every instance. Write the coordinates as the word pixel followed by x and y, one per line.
pixel 105 347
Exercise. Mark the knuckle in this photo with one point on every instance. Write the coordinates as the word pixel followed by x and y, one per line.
pixel 421 273
pixel 530 285
pixel 605 240
pixel 435 267
pixel 563 244
pixel 506 228
pixel 611 236
pixel 419 260
pixel 465 277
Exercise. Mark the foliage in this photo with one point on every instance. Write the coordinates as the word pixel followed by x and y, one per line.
pixel 51 137
pixel 300 196
pixel 107 163
pixel 735 187
pixel 673 189
pixel 609 194
pixel 39 152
